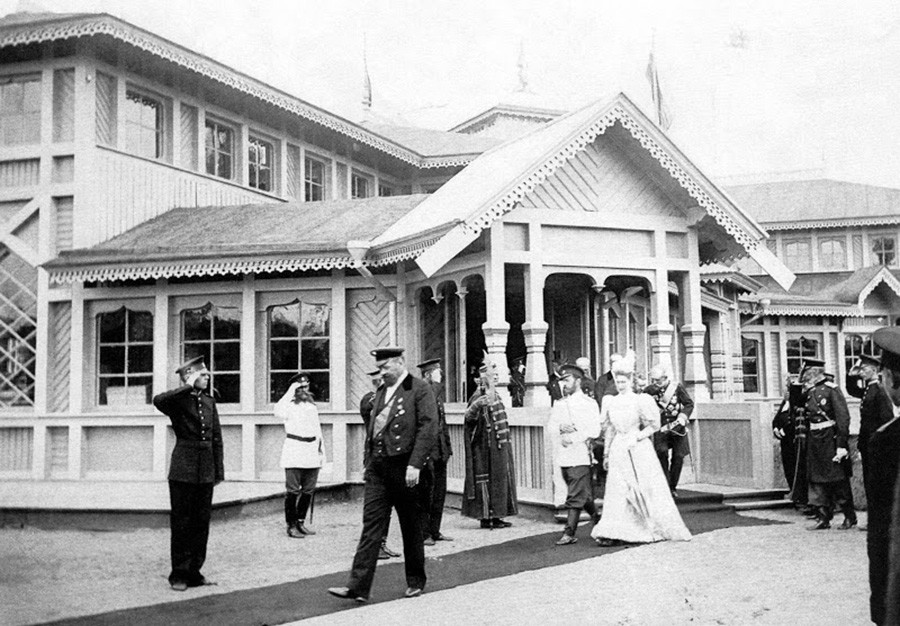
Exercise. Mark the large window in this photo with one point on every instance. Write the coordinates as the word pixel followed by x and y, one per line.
pixel 359 186
pixel 832 253
pixel 20 110
pixel 750 364
pixel 219 149
pixel 214 332
pixel 144 125
pixel 884 250
pixel 797 255
pixel 314 183
pixel 613 339
pixel 857 345
pixel 260 160
pixel 124 357
pixel 299 340
pixel 798 349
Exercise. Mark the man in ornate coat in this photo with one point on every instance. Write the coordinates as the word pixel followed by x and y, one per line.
pixel 827 453
pixel 401 431
pixel 675 408
pixel 489 493
pixel 434 474
pixel 196 467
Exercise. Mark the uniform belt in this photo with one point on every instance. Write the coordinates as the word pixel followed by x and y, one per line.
pixel 299 438
pixel 188 443
pixel 821 425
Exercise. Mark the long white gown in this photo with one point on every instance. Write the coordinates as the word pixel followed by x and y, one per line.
pixel 637 505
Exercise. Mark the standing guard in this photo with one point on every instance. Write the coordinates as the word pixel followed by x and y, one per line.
pixel 434 474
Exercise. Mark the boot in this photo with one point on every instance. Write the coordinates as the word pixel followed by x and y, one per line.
pixel 303 528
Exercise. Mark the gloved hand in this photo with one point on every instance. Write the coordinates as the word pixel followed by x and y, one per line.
pixel 682 419
pixel 192 378
pixel 841 454
pixel 605 463
pixel 412 476
pixel 778 432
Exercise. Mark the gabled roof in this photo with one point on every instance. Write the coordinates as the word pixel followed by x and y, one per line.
pixel 434 143
pixel 496 181
pixel 239 239
pixel 28 28
pixel 823 203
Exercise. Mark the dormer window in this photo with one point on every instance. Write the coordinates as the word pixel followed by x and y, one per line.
pixel 360 186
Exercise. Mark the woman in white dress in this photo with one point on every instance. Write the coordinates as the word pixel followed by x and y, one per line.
pixel 637 505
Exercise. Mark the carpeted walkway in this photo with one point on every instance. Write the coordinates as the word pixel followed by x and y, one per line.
pixel 307 597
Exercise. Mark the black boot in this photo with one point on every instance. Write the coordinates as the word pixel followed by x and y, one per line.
pixel 290 516
pixel 302 507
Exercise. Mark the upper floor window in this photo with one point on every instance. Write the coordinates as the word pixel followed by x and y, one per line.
pixel 884 250
pixel 314 183
pixel 219 149
pixel 832 253
pixel 299 340
pixel 385 190
pixel 20 109
pixel 144 125
pixel 260 160
pixel 359 186
pixel 857 345
pixel 124 357
pixel 799 349
pixel 797 255
pixel 214 332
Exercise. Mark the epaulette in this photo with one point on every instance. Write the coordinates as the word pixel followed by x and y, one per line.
pixel 831 384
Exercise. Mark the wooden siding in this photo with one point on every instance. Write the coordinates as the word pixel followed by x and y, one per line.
pixel 368 326
pixel 189 137
pixel 127 449
pixel 105 111
pixel 16 446
pixel 63 169
pixel 127 191
pixel 60 356
pixel 24 173
pixel 63 105
pixel 57 463
pixel 601 178
pixel 63 209
pixel 294 186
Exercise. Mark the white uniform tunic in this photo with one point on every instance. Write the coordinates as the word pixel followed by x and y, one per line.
pixel 301 420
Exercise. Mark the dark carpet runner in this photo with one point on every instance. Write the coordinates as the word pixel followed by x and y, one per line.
pixel 277 604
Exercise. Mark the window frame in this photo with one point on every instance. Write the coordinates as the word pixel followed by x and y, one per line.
pixel 272 144
pixel 126 344
pixel 793 363
pixel 842 263
pixel 866 346
pixel 753 360
pixel 876 256
pixel 309 184
pixel 317 374
pixel 233 128
pixel 25 114
pixel 358 179
pixel 162 129
pixel 791 260
pixel 212 342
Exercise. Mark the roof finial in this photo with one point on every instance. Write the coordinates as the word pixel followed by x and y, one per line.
pixel 367 82
pixel 523 76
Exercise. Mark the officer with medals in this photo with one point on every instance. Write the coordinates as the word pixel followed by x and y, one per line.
pixel 675 408
pixel 827 456
pixel 196 467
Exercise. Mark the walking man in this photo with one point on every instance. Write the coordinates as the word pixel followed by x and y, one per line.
pixel 574 422
pixel 434 474
pixel 196 467
pixel 400 433
pixel 675 408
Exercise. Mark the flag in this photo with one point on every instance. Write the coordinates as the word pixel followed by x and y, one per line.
pixel 662 112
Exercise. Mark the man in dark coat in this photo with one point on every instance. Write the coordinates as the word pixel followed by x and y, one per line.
pixel 675 408
pixel 883 451
pixel 434 474
pixel 195 468
pixel 874 410
pixel 401 431
pixel 489 492
pixel 827 454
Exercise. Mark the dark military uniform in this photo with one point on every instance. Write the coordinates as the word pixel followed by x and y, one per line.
pixel 678 403
pixel 874 411
pixel 196 466
pixel 402 437
pixel 829 429
pixel 433 482
pixel 884 458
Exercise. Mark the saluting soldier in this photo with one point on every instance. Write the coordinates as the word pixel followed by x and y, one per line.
pixel 196 467
pixel 826 452
pixel 400 433
pixel 434 474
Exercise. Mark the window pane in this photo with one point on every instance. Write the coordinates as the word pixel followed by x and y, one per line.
pixel 228 386
pixel 283 355
pixel 112 359
pixel 278 384
pixel 193 350
pixel 319 386
pixel 112 327
pixel 224 169
pixel 196 324
pixel 315 320
pixel 140 326
pixel 112 386
pixel 283 320
pixel 227 356
pixel 314 354
pixel 227 323
pixel 140 359
pixel 146 382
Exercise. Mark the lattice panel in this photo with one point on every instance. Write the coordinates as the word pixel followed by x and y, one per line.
pixel 60 353
pixel 18 324
pixel 368 326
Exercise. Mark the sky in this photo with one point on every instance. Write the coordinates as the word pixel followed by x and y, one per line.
pixel 756 89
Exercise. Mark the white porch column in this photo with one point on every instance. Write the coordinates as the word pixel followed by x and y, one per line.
pixel 76 351
pixel 338 341
pixel 463 347
pixel 248 344
pixel 660 331
pixel 535 328
pixel 496 328
pixel 694 335
pixel 161 337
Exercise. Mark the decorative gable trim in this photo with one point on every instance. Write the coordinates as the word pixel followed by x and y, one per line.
pixel 883 276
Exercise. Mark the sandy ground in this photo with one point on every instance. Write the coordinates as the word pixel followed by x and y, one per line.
pixel 775 574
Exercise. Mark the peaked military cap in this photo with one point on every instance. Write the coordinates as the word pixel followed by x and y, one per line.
pixel 867 359
pixel 299 377
pixel 568 369
pixel 373 373
pixel 813 363
pixel 387 352
pixel 197 361
pixel 888 339
pixel 427 366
